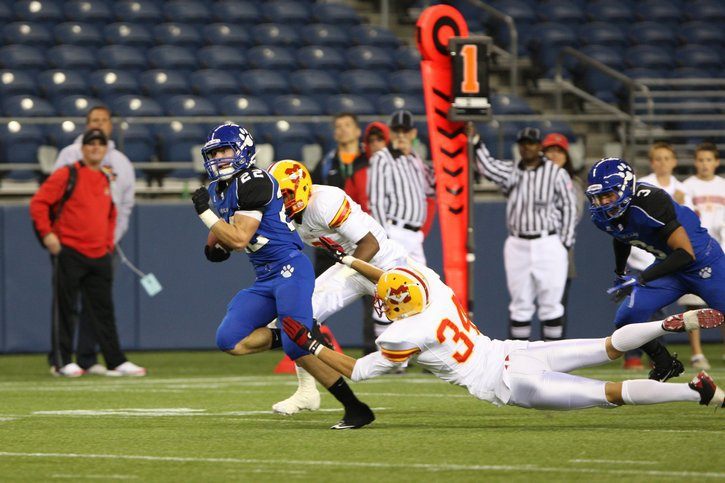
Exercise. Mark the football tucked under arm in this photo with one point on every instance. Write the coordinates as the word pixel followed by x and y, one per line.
pixel 214 250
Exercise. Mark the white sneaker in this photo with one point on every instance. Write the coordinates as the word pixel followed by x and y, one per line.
pixel 700 362
pixel 299 401
pixel 68 370
pixel 97 370
pixel 128 368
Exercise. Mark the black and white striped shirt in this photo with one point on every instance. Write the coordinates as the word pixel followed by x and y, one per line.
pixel 540 200
pixel 398 187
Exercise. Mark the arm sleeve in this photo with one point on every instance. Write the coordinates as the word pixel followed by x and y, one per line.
pixel 500 172
pixel 124 207
pixel 376 188
pixel 347 223
pixel 566 202
pixel 675 261
pixel 255 193
pixel 49 193
pixel 621 254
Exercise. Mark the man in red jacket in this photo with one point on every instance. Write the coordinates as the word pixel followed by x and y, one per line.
pixel 74 216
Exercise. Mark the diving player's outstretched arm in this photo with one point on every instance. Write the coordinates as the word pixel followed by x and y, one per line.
pixel 371 272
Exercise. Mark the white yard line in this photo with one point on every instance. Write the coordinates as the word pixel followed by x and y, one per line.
pixel 94 477
pixel 382 465
pixel 616 462
pixel 166 412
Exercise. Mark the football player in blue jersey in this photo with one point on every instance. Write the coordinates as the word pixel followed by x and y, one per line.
pixel 687 258
pixel 253 219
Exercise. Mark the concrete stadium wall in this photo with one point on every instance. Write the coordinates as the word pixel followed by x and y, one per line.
pixel 167 240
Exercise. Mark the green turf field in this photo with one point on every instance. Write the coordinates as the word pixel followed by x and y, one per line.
pixel 205 416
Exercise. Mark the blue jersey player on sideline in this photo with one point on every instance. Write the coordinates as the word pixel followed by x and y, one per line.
pixel 252 218
pixel 687 258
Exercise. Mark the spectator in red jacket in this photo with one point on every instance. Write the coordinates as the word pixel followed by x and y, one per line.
pixel 74 216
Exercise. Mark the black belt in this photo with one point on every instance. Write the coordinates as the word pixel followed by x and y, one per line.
pixel 535 236
pixel 404 225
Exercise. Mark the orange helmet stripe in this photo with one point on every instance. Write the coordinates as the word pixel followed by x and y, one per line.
pixel 342 214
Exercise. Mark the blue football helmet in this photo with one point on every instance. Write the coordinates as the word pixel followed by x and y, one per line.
pixel 231 136
pixel 611 188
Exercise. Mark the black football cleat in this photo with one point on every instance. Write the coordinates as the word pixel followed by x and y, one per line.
pixel 673 369
pixel 710 394
pixel 356 418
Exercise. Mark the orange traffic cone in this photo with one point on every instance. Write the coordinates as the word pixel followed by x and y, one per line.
pixel 286 366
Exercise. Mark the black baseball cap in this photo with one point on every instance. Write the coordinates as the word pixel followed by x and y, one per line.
pixel 401 119
pixel 93 134
pixel 529 134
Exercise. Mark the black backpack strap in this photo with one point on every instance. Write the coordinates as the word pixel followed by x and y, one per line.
pixel 56 211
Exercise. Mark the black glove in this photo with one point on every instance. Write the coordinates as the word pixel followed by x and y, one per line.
pixel 333 248
pixel 299 334
pixel 201 200
pixel 216 253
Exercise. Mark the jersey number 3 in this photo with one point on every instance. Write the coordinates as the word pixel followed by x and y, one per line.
pixel 459 332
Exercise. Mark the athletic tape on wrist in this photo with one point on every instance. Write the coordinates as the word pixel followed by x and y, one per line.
pixel 347 260
pixel 209 218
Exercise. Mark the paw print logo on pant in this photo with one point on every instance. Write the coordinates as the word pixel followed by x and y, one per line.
pixel 287 271
pixel 706 272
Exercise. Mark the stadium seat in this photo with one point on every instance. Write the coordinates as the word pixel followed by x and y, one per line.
pixel 219 34
pixel 112 82
pixel 286 137
pixel 293 105
pixel 133 34
pixel 72 57
pixel 137 142
pixel 700 57
pixel 407 58
pixel 610 11
pixel 78 33
pixel 136 11
pixel 326 35
pixel 172 57
pixel 44 11
pixel 91 11
pixel 648 56
pixel 348 103
pixel 314 82
pixel 65 133
pixel 29 33
pixel 645 73
pixel 27 106
pixel 407 81
pixel 561 11
pixel 652 34
pixel 177 34
pixel 660 11
pixel 234 12
pixel 76 105
pixel 19 143
pixel 222 57
pixel 187 11
pixel 286 12
pixel 335 13
pixel 546 40
pixel 160 83
pixel 6 14
pixel 370 58
pixel 185 105
pixel 122 57
pixel 209 82
pixel 704 33
pixel 606 55
pixel 130 105
pixel 602 33
pixel 58 83
pixel 176 140
pixel 374 36
pixel 260 82
pixel 705 10
pixel 22 57
pixel 509 104
pixel 521 11
pixel 363 82
pixel 14 82
pixel 268 34
pixel 271 57
pixel 243 106
pixel 391 102
pixel 321 57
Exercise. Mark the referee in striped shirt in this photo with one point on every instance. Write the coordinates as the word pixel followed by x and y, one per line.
pixel 401 187
pixel 541 218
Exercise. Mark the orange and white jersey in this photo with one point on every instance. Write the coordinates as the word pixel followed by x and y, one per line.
pixel 446 342
pixel 332 213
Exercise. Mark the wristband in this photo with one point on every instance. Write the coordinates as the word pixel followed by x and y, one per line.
pixel 316 347
pixel 347 260
pixel 209 218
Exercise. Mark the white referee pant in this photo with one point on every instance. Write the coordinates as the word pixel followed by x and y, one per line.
pixel 411 240
pixel 536 275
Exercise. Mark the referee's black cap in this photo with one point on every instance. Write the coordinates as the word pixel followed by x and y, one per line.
pixel 529 134
pixel 401 119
